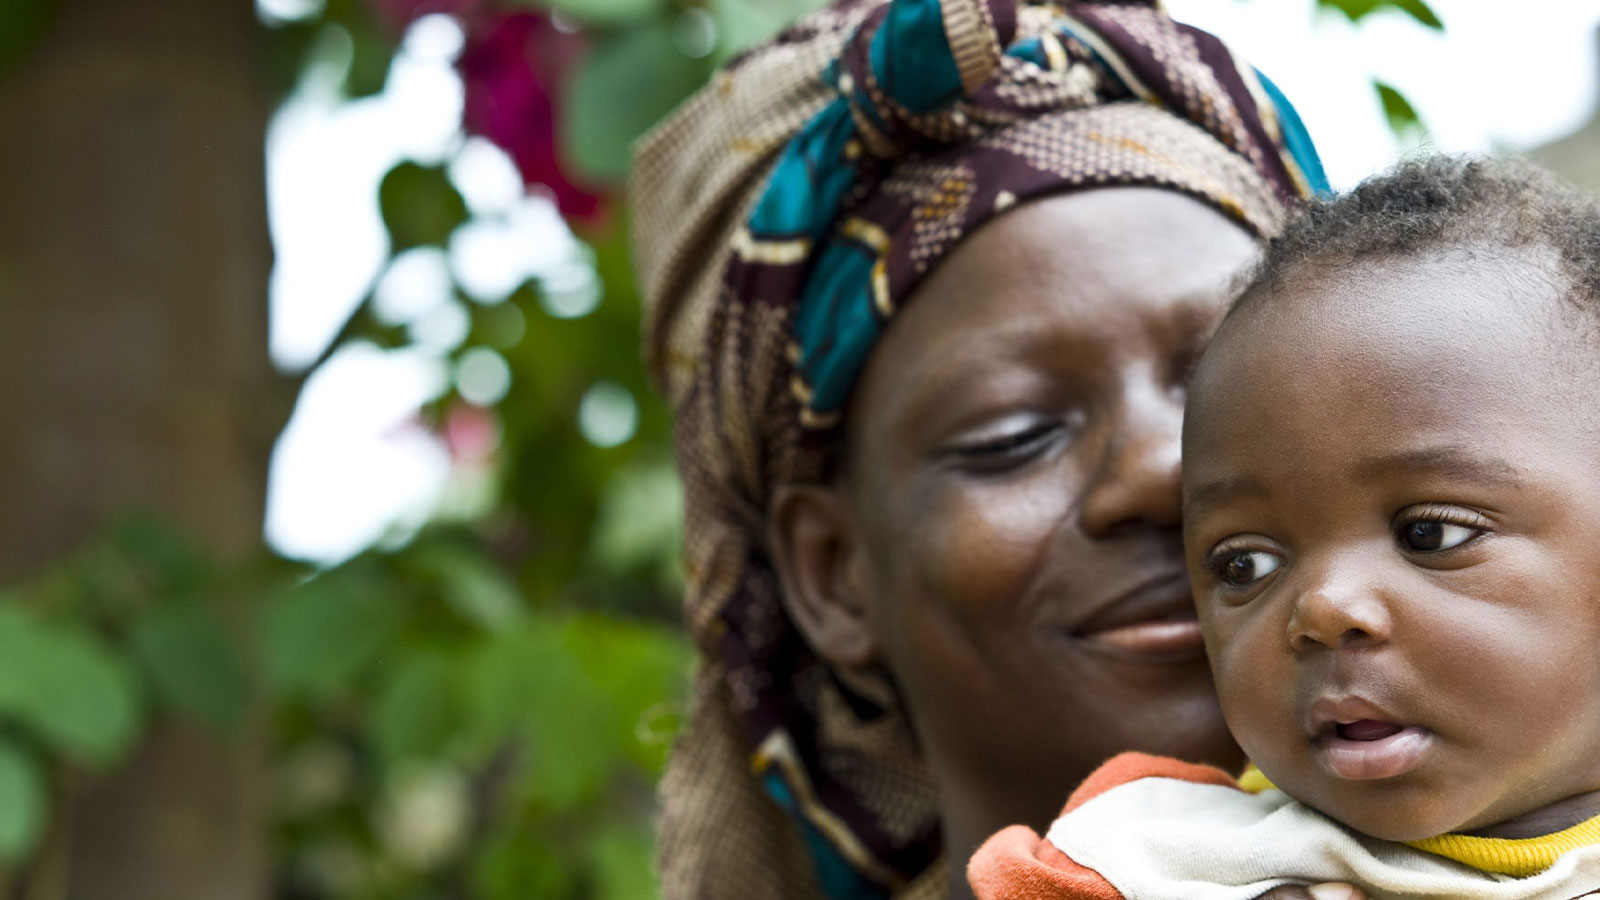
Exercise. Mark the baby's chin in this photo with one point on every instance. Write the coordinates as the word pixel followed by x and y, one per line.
pixel 1405 827
pixel 1394 812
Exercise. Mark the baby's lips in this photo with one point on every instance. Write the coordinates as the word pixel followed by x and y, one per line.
pixel 1396 753
pixel 1329 712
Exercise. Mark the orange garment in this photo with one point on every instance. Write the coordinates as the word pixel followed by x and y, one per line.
pixel 1018 864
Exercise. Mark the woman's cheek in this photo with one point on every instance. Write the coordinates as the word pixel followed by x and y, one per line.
pixel 987 542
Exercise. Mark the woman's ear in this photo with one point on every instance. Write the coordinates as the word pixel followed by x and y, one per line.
pixel 815 544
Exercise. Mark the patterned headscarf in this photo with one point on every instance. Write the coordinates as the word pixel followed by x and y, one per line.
pixel 783 214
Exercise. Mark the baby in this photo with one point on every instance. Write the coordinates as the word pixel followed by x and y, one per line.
pixel 1391 499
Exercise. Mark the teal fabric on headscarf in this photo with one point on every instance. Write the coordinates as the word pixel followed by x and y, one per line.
pixel 1296 139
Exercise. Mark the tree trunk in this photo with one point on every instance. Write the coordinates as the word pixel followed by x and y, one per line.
pixel 134 375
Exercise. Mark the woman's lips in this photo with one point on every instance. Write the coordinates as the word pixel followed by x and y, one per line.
pixel 1177 635
pixel 1368 749
pixel 1153 622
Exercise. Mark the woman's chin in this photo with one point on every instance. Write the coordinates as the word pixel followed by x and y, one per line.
pixel 1130 703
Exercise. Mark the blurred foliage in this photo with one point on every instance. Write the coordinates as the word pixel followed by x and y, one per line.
pixel 1401 116
pixel 433 730
pixel 434 724
pixel 89 650
pixel 484 712
pixel 1407 127
pixel 1356 10
pixel 643 65
pixel 419 205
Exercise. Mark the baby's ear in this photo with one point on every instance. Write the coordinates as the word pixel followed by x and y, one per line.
pixel 814 539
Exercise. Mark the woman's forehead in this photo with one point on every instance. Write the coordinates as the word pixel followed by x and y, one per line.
pixel 1090 230
pixel 1086 253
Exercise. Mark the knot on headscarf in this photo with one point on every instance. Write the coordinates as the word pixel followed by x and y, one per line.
pixel 782 215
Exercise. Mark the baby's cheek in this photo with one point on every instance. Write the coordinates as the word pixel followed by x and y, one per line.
pixel 1253 680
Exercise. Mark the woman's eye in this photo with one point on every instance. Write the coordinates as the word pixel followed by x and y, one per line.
pixel 1428 535
pixel 1240 569
pixel 1011 448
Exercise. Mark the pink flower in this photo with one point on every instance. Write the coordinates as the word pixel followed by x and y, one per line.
pixel 512 68
pixel 472 433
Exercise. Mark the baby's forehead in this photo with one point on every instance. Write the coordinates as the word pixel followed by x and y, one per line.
pixel 1439 334
pixel 1454 303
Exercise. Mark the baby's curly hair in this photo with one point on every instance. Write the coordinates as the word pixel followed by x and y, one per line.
pixel 1442 202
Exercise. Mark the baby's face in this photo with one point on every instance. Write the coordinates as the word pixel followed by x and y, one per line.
pixel 1392 522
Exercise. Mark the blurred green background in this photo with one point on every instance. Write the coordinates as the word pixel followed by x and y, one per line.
pixel 474 697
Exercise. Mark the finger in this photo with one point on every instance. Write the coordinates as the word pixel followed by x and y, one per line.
pixel 1287 892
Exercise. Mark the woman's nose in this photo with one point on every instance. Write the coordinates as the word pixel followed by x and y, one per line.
pixel 1136 480
pixel 1340 608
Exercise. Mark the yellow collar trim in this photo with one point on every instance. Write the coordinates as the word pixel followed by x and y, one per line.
pixel 1519 858
pixel 1252 781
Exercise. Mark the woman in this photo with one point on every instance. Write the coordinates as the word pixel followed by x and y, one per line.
pixel 924 279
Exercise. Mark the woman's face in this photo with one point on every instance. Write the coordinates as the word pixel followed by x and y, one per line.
pixel 1012 470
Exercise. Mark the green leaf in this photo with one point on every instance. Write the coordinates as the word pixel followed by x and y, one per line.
pixel 366 45
pixel 621 858
pixel 22 802
pixel 1402 117
pixel 630 82
pixel 67 688
pixel 1356 10
pixel 155 544
pixel 471 584
pixel 605 13
pixel 643 672
pixel 420 206
pixel 321 633
pixel 371 53
pixel 527 685
pixel 742 24
pixel 284 54
pixel 640 522
pixel 515 866
pixel 417 711
pixel 192 664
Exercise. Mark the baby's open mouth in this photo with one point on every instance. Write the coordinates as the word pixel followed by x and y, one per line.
pixel 1366 730
pixel 1369 749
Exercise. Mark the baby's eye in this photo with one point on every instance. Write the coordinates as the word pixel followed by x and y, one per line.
pixel 1240 569
pixel 1430 535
